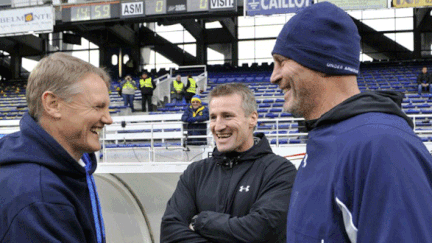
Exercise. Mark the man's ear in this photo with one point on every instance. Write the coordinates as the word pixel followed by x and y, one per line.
pixel 51 104
pixel 253 119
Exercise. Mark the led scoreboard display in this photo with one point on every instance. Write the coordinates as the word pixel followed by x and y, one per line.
pixel 90 11
pixel 156 7
pixel 117 9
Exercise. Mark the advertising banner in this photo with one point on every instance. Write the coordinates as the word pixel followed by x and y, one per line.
pixel 357 4
pixel 176 6
pixel 24 21
pixel 269 7
pixel 411 3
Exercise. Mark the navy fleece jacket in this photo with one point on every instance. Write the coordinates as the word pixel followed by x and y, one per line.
pixel 43 191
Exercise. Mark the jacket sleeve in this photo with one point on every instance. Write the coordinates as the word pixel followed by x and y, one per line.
pixel 266 219
pixel 154 84
pixel 45 222
pixel 186 114
pixel 389 199
pixel 419 79
pixel 172 88
pixel 204 117
pixel 179 212
pixel 134 83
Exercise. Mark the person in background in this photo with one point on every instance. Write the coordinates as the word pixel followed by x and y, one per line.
pixel 424 81
pixel 147 85
pixel 195 115
pixel 177 92
pixel 128 91
pixel 47 190
pixel 366 176
pixel 190 89
pixel 242 192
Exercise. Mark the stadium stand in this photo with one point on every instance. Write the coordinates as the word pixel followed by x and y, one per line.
pixel 279 125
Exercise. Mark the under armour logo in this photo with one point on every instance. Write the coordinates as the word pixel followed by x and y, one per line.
pixel 305 161
pixel 242 188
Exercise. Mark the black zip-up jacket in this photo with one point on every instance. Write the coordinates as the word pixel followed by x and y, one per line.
pixel 424 78
pixel 238 197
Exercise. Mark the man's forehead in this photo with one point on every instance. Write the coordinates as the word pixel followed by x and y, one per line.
pixel 233 105
pixel 279 57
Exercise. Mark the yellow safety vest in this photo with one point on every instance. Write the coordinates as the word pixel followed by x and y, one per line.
pixel 146 83
pixel 177 86
pixel 192 86
pixel 128 85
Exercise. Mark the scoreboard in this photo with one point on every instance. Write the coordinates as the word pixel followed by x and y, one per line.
pixel 126 9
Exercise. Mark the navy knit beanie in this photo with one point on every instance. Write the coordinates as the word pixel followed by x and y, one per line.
pixel 197 98
pixel 323 38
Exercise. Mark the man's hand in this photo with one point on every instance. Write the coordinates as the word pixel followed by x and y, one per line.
pixel 192 223
pixel 191 119
pixel 425 85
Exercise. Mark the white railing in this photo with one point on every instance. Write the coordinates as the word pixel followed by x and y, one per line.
pixel 162 89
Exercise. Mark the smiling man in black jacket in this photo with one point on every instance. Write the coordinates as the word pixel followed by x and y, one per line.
pixel 242 192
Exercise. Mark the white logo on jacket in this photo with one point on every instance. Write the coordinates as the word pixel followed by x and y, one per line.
pixel 305 161
pixel 242 188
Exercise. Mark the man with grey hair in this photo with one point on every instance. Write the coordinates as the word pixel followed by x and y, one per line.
pixel 241 193
pixel 47 190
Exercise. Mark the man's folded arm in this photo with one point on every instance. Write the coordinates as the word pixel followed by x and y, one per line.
pixel 266 220
pixel 180 210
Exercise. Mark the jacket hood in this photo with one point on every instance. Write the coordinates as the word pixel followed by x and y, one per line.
pixel 32 144
pixel 260 148
pixel 378 101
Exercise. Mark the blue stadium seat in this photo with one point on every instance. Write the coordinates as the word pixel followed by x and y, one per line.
pixel 271 115
pixel 283 126
pixel 412 111
pixel 286 115
pixel 281 141
pixel 264 105
pixel 265 127
pixel 268 101
pixel 275 110
pixel 426 111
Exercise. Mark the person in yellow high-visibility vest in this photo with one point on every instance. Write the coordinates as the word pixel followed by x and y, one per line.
pixel 177 90
pixel 147 85
pixel 191 88
pixel 128 91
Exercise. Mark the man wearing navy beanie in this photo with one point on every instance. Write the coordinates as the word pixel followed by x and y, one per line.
pixel 366 176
